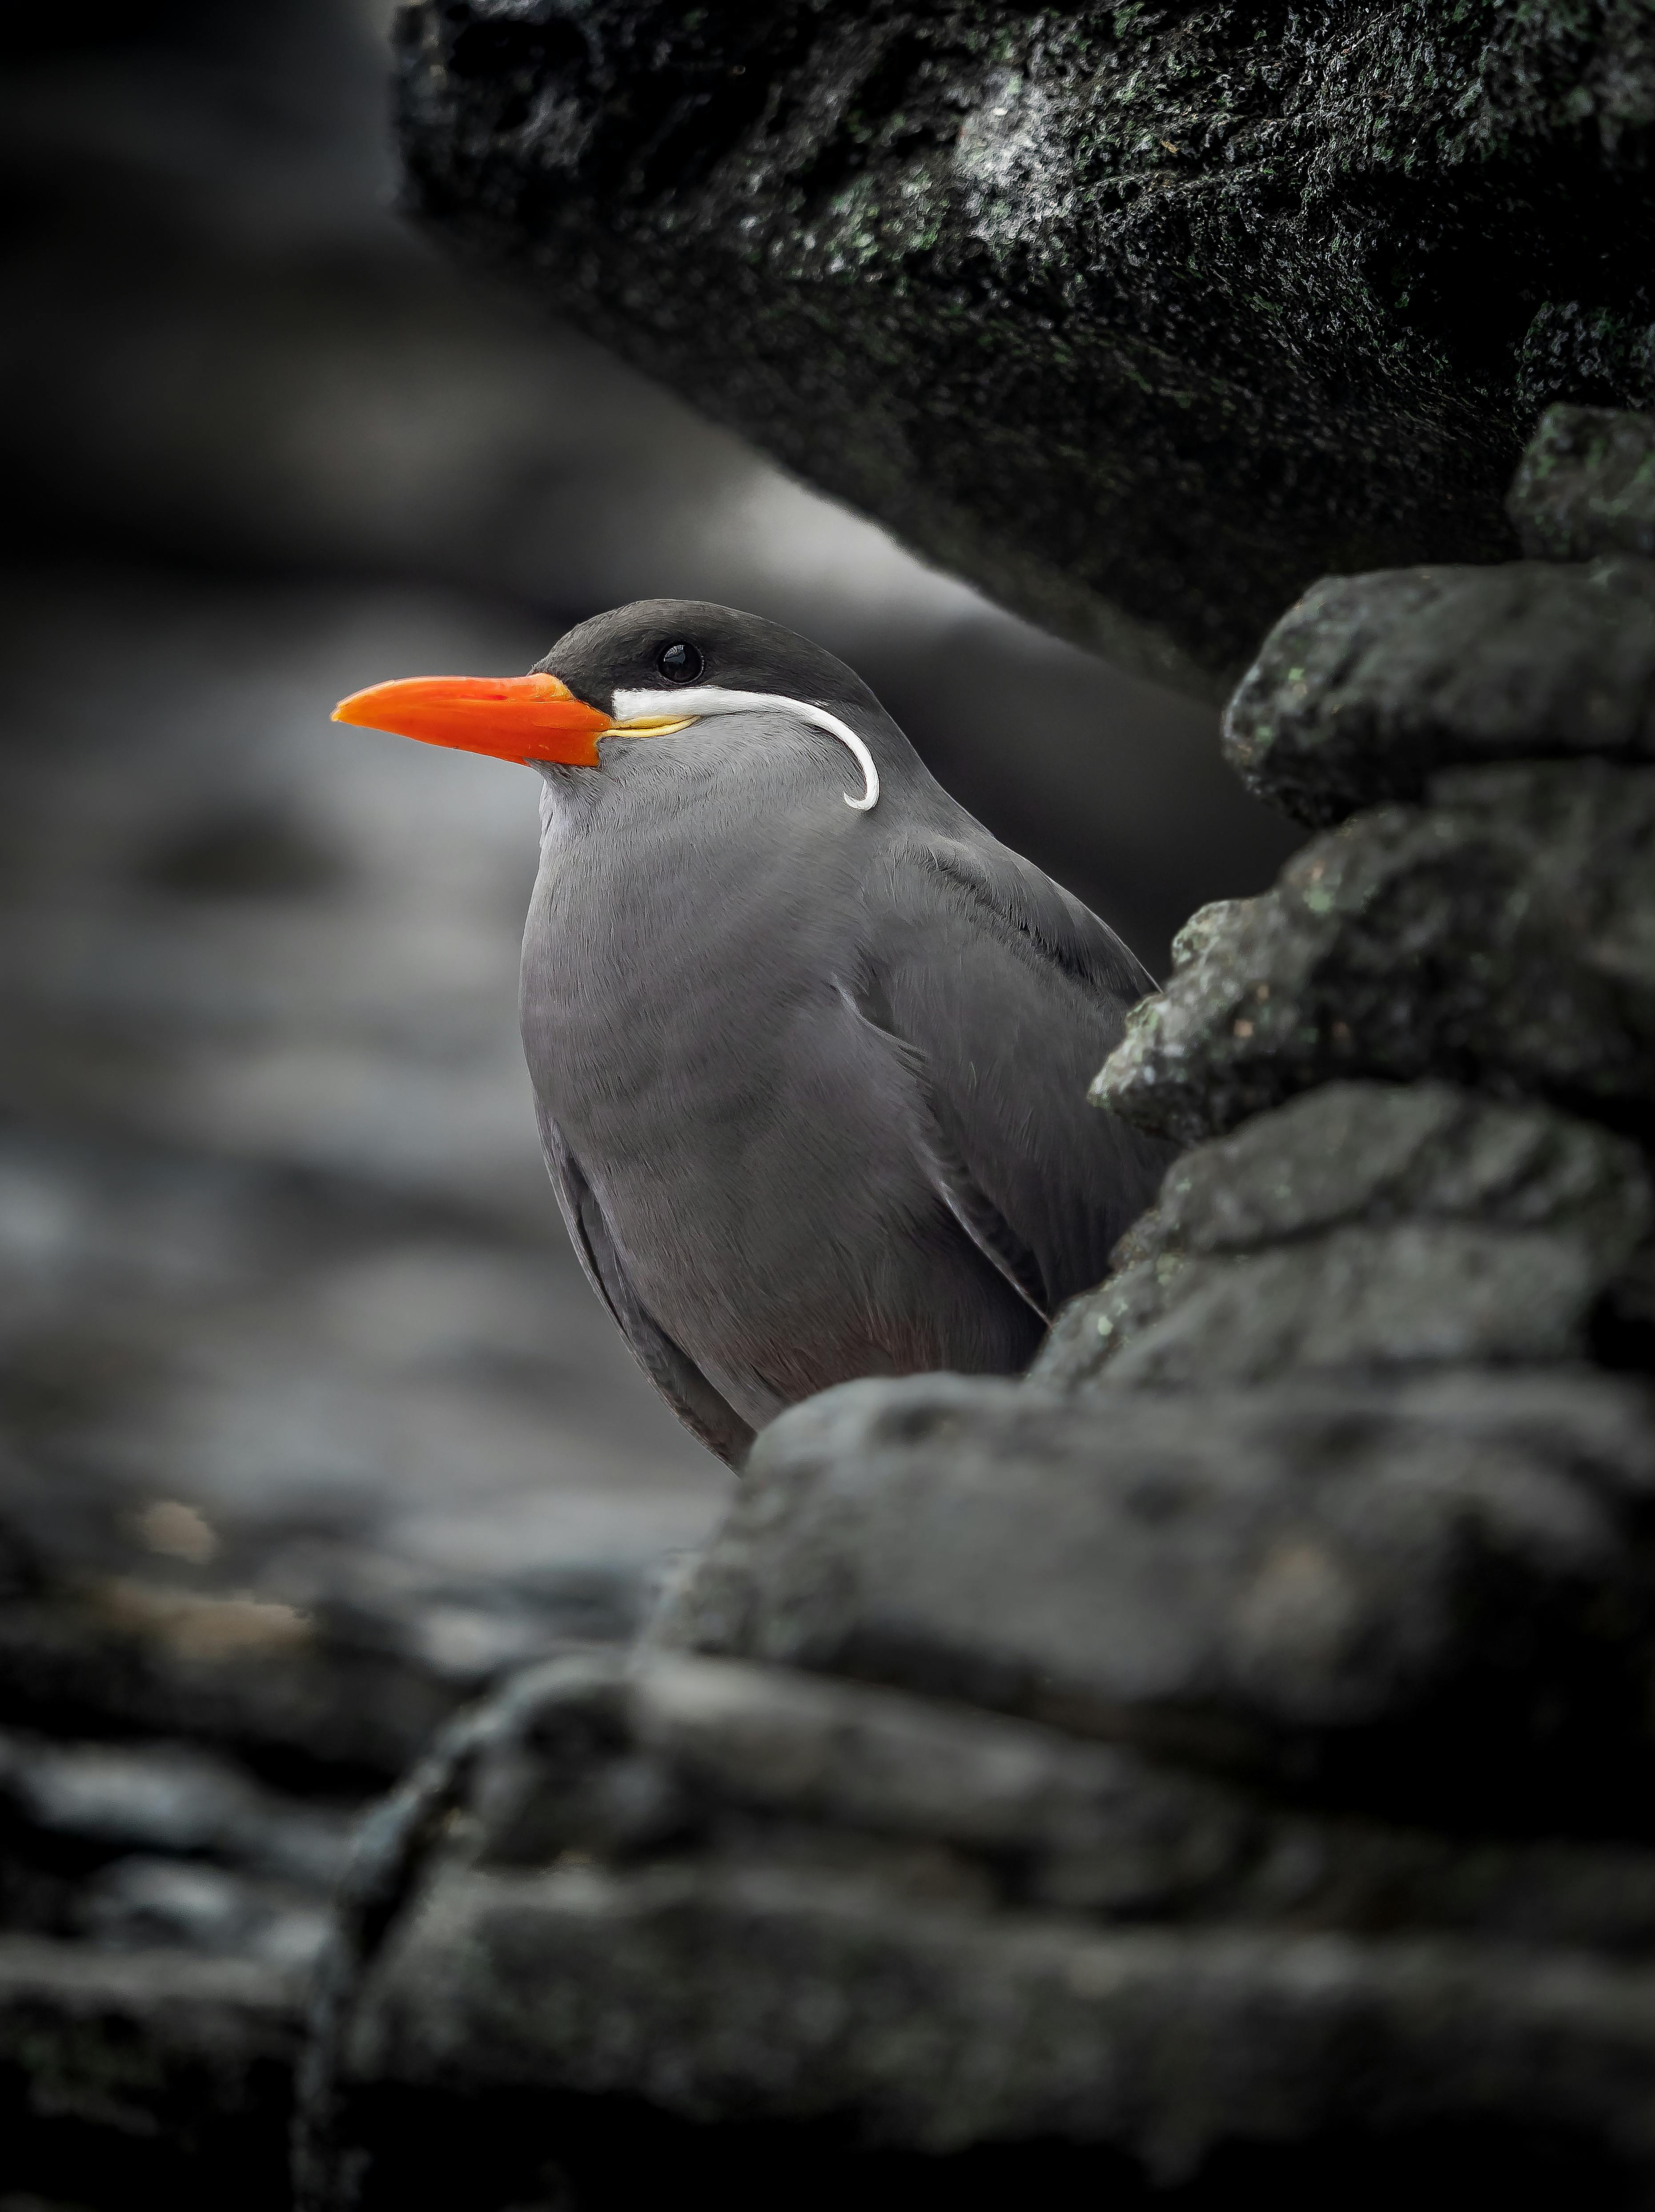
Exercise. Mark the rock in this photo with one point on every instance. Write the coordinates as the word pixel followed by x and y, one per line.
pixel 1502 938
pixel 910 2022
pixel 698 1746
pixel 559 1770
pixel 1421 1598
pixel 1586 485
pixel 1383 1154
pixel 1371 685
pixel 1364 1224
pixel 142 1904
pixel 768 1758
pixel 332 1703
pixel 156 2076
pixel 1098 1827
pixel 174 1798
pixel 1098 1818
pixel 871 1923
pixel 1142 320
pixel 323 1656
pixel 1354 1299
pixel 140 1846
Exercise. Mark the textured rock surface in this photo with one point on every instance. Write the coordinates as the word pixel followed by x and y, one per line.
pixel 930 2025
pixel 149 2071
pixel 1586 485
pixel 1142 318
pixel 1371 683
pixel 1503 937
pixel 1030 1815
pixel 1364 1224
pixel 140 1843
pixel 1315 1585
pixel 896 1920
pixel 682 1748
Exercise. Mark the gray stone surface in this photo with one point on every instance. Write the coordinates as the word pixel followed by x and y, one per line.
pixel 849 1994
pixel 1423 1594
pixel 1586 485
pixel 620 1762
pixel 169 1798
pixel 1159 1775
pixel 1142 320
pixel 1371 685
pixel 1060 1821
pixel 872 1909
pixel 1364 1224
pixel 882 1760
pixel 1501 938
pixel 1384 1153
pixel 106 2060
pixel 139 1844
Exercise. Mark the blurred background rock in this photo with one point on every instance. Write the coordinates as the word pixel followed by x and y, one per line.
pixel 312 1424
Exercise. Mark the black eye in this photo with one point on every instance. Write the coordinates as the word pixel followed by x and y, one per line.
pixel 679 663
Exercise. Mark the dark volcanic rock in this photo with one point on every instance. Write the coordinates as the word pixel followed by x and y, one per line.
pixel 154 2076
pixel 1363 1224
pixel 137 1845
pixel 907 2019
pixel 685 1743
pixel 1422 1596
pixel 1142 318
pixel 1384 1154
pixel 1503 938
pixel 1586 485
pixel 1049 1818
pixel 901 1920
pixel 1371 683
pixel 330 1699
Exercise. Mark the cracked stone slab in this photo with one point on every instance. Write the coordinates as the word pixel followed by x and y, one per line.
pixel 1371 685
pixel 1364 1224
pixel 1142 320
pixel 1502 938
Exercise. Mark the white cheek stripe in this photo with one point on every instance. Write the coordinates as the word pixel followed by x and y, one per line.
pixel 699 700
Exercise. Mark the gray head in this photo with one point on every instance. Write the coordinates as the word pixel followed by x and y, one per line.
pixel 641 671
pixel 667 646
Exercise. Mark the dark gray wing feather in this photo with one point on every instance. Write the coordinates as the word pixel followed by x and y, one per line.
pixel 1012 893
pixel 942 1165
pixel 1011 995
pixel 701 1408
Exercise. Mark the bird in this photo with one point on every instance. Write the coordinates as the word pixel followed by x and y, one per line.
pixel 809 1061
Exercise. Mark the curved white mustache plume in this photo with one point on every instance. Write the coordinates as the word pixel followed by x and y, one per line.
pixel 696 700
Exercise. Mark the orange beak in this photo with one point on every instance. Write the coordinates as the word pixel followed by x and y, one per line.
pixel 515 718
